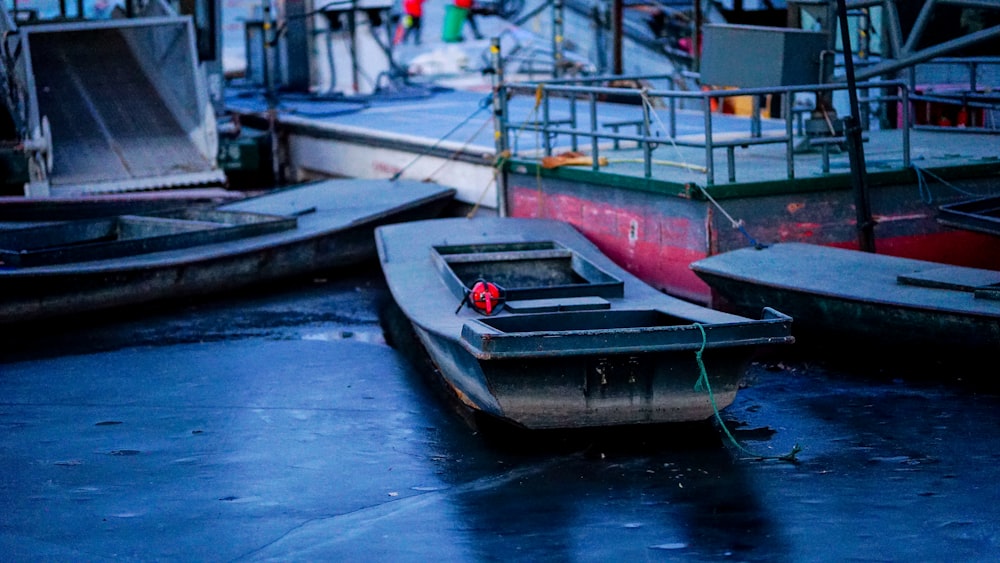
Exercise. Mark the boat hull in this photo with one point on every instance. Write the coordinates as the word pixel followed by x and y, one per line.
pixel 592 390
pixel 656 233
pixel 899 306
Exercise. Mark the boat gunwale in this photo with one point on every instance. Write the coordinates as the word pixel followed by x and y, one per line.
pixel 309 227
pixel 487 342
pixel 194 227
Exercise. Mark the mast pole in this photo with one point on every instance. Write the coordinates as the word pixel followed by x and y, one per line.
pixel 855 147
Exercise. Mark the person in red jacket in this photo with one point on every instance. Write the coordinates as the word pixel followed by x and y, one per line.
pixel 413 10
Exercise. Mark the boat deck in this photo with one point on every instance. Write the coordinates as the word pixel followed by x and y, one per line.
pixel 881 279
pixel 458 124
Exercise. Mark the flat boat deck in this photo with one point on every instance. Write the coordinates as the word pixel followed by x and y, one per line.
pixel 457 124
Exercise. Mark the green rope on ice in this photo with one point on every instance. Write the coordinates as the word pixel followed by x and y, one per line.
pixel 703 385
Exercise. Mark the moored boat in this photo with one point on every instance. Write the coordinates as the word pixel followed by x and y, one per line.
pixel 528 323
pixel 64 267
pixel 893 305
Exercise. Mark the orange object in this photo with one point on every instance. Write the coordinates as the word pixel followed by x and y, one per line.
pixel 570 158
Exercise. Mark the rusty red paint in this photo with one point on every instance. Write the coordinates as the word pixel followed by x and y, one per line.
pixel 384 167
pixel 658 245
pixel 659 253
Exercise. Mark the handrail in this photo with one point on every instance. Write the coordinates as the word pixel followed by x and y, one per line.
pixel 648 135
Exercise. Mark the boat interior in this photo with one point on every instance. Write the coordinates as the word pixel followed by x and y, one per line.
pixel 127 235
pixel 979 214
pixel 537 279
pixel 526 271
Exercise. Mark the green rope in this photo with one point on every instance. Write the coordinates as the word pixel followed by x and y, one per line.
pixel 703 385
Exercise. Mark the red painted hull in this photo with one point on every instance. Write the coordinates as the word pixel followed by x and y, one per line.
pixel 657 236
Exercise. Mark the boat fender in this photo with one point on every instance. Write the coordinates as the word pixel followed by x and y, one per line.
pixel 486 297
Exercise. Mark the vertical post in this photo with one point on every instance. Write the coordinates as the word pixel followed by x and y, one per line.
pixel 786 110
pixel 499 125
pixel 268 51
pixel 594 144
pixel 296 42
pixel 616 36
pixel 824 113
pixel 647 143
pixel 352 31
pixel 599 19
pixel 709 148
pixel 855 147
pixel 272 102
pixel 557 38
pixel 696 35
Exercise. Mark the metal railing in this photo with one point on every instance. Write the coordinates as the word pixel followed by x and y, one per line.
pixel 583 119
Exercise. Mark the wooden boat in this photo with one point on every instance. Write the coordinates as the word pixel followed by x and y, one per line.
pixel 887 302
pixel 562 337
pixel 79 266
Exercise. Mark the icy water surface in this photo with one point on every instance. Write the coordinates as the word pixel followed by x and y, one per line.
pixel 279 425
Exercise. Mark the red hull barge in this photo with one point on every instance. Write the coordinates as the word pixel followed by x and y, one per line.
pixel 658 199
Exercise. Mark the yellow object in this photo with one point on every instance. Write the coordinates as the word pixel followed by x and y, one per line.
pixel 571 158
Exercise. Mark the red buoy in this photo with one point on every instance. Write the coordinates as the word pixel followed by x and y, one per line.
pixel 486 297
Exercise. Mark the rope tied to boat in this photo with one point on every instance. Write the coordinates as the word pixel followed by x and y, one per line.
pixel 702 384
pixel 485 103
pixel 925 191
pixel 690 167
pixel 739 225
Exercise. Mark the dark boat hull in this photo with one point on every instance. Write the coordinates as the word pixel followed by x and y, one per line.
pixel 335 221
pixel 908 307
pixel 598 348
pixel 594 390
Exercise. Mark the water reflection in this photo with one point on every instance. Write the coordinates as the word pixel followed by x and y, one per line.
pixel 671 491
pixel 674 490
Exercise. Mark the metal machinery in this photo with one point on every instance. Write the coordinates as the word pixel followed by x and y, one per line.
pixel 339 46
pixel 115 103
